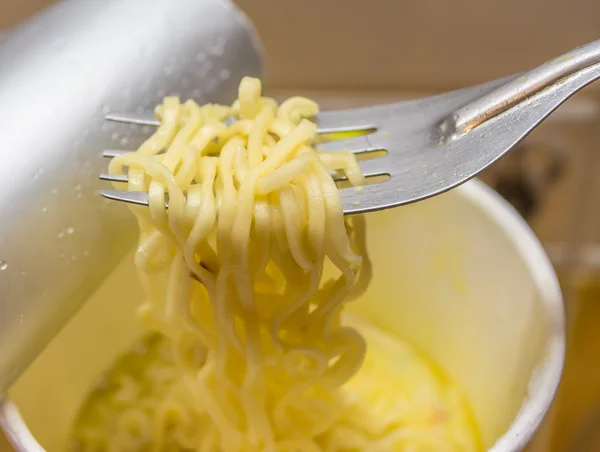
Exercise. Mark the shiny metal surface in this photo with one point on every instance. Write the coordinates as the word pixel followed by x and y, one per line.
pixel 60 74
pixel 437 143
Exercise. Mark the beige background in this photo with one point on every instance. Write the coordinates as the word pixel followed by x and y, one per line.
pixel 387 44
pixel 401 44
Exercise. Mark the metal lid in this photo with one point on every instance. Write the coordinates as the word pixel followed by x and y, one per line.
pixel 60 73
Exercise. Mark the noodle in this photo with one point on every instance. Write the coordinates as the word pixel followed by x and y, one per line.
pixel 234 272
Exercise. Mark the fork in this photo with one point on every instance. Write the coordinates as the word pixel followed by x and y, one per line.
pixel 434 144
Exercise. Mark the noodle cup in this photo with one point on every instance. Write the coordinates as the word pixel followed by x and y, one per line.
pixel 461 276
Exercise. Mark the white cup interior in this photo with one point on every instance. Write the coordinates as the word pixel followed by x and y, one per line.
pixel 460 276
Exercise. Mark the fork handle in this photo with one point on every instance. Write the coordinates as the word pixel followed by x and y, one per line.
pixel 520 88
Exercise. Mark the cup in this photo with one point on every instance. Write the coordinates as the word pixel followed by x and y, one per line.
pixel 61 72
pixel 460 276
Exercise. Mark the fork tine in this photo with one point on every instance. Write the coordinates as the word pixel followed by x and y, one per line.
pixel 114 177
pixel 139 198
pixel 142 119
pixel 378 166
pixel 346 128
pixel 371 197
pixel 147 119
pixel 349 119
pixel 110 153
pixel 356 145
pixel 369 168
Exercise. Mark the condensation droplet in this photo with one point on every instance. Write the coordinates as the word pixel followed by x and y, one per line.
pixel 77 187
pixel 225 74
pixel 3 265
pixel 217 50
pixel 54 191
pixel 61 235
pixel 106 126
pixel 22 273
pixel 70 230
pixel 124 141
pixel 73 258
pixel 44 209
pixel 80 195
pixel 61 255
pixel 115 136
pixel 105 109
pixel 86 253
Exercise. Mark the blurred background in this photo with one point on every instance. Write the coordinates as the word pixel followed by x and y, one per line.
pixel 353 52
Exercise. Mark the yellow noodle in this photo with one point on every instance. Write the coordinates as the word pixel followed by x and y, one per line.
pixel 256 337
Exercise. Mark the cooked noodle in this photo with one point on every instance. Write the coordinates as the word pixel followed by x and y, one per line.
pixel 234 273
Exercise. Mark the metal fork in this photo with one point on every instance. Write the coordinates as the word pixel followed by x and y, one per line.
pixel 437 143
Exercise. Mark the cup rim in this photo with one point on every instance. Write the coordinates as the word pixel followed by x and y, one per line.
pixel 543 383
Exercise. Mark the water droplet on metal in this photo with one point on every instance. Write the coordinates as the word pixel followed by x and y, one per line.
pixel 77 187
pixel 44 209
pixel 105 109
pixel 115 136
pixel 124 141
pixel 54 191
pixel 60 235
pixel 70 230
pixel 22 273
pixel 3 265
pixel 225 74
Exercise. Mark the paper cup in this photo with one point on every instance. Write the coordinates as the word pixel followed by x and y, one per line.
pixel 460 276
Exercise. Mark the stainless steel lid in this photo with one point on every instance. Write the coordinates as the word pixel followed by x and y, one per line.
pixel 59 74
